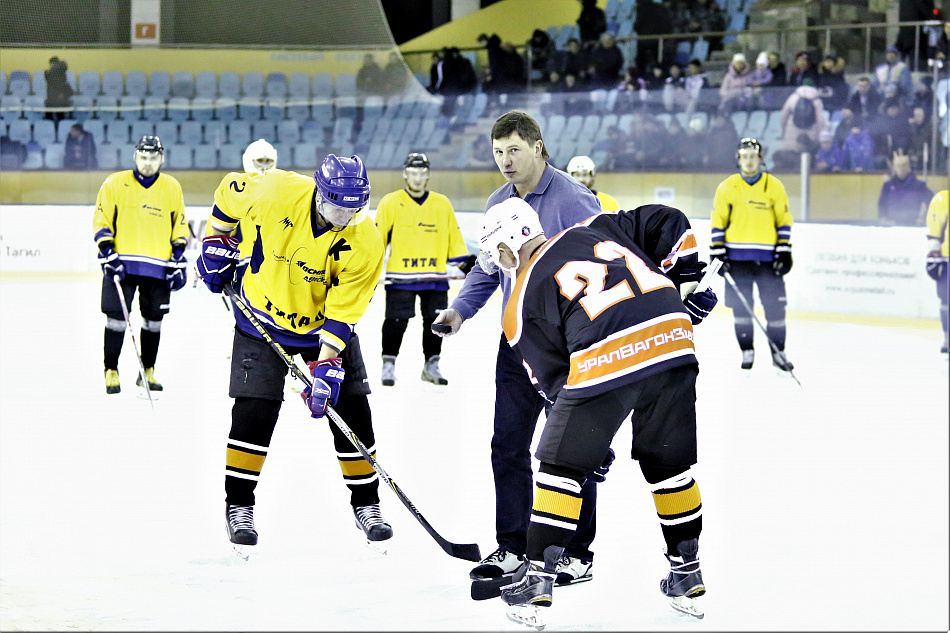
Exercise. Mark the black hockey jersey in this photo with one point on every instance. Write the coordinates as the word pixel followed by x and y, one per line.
pixel 593 310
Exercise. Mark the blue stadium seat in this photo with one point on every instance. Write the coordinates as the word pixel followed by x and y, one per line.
pixel 700 50
pixel 107 157
pixel 140 129
pixel 215 133
pixel 229 84
pixel 11 108
pixel 274 108
pixel 373 107
pixel 20 131
pixel 34 157
pixel 345 85
pixel 83 108
pixel 130 108
pixel 288 132
pixel 179 109
pixel 342 131
pixel 736 23
pixel 160 84
pixel 739 118
pixel 225 109
pixel 136 84
pixel 249 109
pixel 117 132
pixel 72 81
pixel 683 51
pixel 97 128
pixel 112 83
pixel 347 107
pixel 206 157
pixel 756 123
pixel 183 84
pixel 322 85
pixel 368 130
pixel 153 109
pixel 266 130
pixel 19 85
pixel 239 133
pixel 206 85
pixel 305 156
pixel 167 131
pixel 275 85
pixel 202 109
pixel 299 86
pixel 3 82
pixel 311 132
pixel 179 156
pixel 89 83
pixel 298 110
pixel 38 85
pixel 34 108
pixel 190 133
pixel 53 156
pixel 230 156
pixel 252 84
pixel 322 113
pixel 107 108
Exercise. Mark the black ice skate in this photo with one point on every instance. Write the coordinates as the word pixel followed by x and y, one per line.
pixel 370 520
pixel 240 520
pixel 685 581
pixel 533 589
pixel 748 357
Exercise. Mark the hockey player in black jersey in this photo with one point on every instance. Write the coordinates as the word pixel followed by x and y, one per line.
pixel 598 318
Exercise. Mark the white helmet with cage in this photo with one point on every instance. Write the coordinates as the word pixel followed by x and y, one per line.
pixel 511 222
pixel 259 157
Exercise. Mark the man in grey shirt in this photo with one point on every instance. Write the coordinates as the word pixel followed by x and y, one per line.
pixel 560 202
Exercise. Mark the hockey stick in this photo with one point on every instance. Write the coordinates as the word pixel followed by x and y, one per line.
pixel 463 551
pixel 775 349
pixel 128 323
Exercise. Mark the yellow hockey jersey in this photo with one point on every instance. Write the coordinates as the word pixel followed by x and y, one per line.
pixel 937 222
pixel 142 222
pixel 751 218
pixel 607 201
pixel 423 234
pixel 246 231
pixel 308 285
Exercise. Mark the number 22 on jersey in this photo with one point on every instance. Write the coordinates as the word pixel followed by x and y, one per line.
pixel 590 278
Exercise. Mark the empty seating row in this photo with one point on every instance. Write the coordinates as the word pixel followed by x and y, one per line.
pixel 164 84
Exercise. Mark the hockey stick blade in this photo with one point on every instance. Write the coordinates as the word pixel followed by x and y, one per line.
pixel 135 345
pixel 490 587
pixel 465 551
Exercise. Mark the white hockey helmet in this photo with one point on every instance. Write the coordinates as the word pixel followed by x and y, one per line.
pixel 582 163
pixel 511 222
pixel 259 157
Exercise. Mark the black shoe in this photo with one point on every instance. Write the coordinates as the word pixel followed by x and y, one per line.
pixel 241 525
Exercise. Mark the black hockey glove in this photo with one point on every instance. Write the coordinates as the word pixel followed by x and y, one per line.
pixel 680 275
pixel 936 265
pixel 110 262
pixel 782 259
pixel 717 250
pixel 468 264
pixel 218 261
pixel 176 272
pixel 700 304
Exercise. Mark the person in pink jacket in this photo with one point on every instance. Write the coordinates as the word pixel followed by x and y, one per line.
pixel 802 123
pixel 733 85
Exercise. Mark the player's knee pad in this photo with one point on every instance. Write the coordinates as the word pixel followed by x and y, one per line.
pixel 150 325
pixel 115 325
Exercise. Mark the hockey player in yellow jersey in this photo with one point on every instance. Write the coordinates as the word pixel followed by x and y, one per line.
pixel 420 228
pixel 751 233
pixel 141 231
pixel 939 254
pixel 583 170
pixel 316 259
pixel 258 158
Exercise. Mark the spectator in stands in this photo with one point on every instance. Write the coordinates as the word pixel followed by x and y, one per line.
pixel 655 82
pixel 696 139
pixel 369 77
pixel 632 94
pixel 759 81
pixel 59 94
pixel 721 139
pixel 458 75
pixel 911 44
pixel 12 153
pixel 843 129
pixel 543 52
pixel 859 148
pixel 395 74
pixel 435 73
pixel 941 48
pixel 696 83
pixel 832 86
pixel 575 98
pixel 613 145
pixel 803 119
pixel 891 132
pixel 675 96
pixel 802 70
pixel 893 72
pixel 920 130
pixel 777 66
pixel 707 15
pixel 865 101
pixel 830 157
pixel 731 91
pixel 492 44
pixel 645 140
pixel 904 198
pixel 675 148
pixel 571 61
pixel 509 75
pixel 924 95
pixel 606 63
pixel 80 150
pixel 652 19
pixel 591 23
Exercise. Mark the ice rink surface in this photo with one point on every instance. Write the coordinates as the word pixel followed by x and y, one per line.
pixel 825 507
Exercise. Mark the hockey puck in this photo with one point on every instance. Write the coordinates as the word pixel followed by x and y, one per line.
pixel 441 328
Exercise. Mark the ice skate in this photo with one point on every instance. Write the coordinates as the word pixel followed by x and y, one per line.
pixel 494 572
pixel 431 373
pixel 533 589
pixel 241 532
pixel 389 371
pixel 112 381
pixel 154 387
pixel 748 357
pixel 571 570
pixel 377 531
pixel 781 362
pixel 685 581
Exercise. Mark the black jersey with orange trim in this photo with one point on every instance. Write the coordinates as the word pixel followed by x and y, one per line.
pixel 593 310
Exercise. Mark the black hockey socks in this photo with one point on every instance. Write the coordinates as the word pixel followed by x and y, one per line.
pixel 744 332
pixel 554 515
pixel 431 343
pixel 358 475
pixel 149 347
pixel 678 506
pixel 112 347
pixel 252 425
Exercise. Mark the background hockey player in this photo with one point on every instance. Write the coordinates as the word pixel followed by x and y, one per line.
pixel 309 283
pixel 604 332
pixel 141 231
pixel 751 233
pixel 423 234
pixel 258 158
pixel 583 170
pixel 560 201
pixel 939 254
